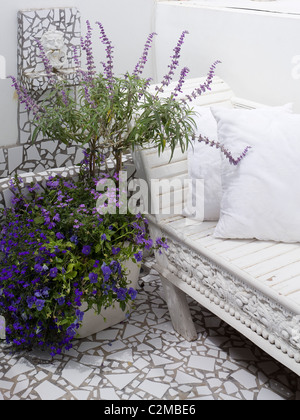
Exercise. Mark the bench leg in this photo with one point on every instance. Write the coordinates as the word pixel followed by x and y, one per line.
pixel 179 311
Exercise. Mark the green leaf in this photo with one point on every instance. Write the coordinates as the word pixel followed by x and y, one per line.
pixel 39 220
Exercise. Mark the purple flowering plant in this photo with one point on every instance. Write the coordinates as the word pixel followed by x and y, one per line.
pixel 58 251
pixel 58 248
pixel 112 114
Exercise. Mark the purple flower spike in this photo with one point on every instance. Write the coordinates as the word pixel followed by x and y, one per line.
pixel 174 64
pixel 183 74
pixel 46 62
pixel 226 153
pixel 25 98
pixel 86 45
pixel 144 58
pixel 203 88
pixel 108 66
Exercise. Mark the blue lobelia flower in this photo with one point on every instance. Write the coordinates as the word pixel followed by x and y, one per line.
pixel 138 256
pixel 53 272
pixel 93 278
pixel 106 271
pixel 86 250
pixel 40 303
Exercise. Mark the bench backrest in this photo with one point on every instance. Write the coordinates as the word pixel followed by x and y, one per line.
pixel 151 167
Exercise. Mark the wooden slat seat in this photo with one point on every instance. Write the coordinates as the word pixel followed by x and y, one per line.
pixel 252 285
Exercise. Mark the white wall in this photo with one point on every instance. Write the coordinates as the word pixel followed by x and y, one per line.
pixel 127 23
pixel 256 48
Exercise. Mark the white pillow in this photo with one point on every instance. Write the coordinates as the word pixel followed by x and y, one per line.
pixel 261 195
pixel 204 163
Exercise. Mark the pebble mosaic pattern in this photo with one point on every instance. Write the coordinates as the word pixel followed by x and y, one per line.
pixel 44 154
pixel 30 177
pixel 144 359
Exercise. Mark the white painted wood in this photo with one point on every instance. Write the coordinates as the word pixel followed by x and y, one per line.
pixel 252 285
pixel 179 311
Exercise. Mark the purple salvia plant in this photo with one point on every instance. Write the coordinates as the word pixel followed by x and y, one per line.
pixel 88 97
pixel 83 74
pixel 64 97
pixel 226 153
pixel 108 66
pixel 174 64
pixel 139 68
pixel 48 67
pixel 86 45
pixel 25 98
pixel 203 87
pixel 183 74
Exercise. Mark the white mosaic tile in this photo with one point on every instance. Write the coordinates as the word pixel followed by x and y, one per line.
pixel 48 391
pixel 159 361
pixel 92 360
pixel 121 381
pixel 131 330
pixel 202 363
pixel 121 356
pixel 245 378
pixel 184 378
pixel 22 366
pixel 158 390
pixel 267 394
pixel 76 373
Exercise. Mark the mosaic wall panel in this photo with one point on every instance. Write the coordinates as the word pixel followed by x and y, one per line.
pixel 27 178
pixel 44 153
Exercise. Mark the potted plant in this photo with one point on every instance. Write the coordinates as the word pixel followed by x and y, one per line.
pixel 110 114
pixel 59 248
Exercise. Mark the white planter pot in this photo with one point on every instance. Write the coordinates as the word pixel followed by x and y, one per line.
pixel 94 323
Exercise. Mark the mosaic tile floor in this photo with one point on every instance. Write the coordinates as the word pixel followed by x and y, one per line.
pixel 144 359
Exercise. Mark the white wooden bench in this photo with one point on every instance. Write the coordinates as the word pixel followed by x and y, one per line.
pixel 252 285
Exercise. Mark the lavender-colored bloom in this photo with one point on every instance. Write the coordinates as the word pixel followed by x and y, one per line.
pixel 203 87
pixel 226 153
pixel 86 45
pixel 76 57
pixel 183 75
pixel 108 66
pixel 143 60
pixel 64 97
pixel 88 97
pixel 25 98
pixel 46 62
pixel 174 64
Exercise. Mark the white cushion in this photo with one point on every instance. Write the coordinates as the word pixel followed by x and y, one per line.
pixel 204 163
pixel 261 195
